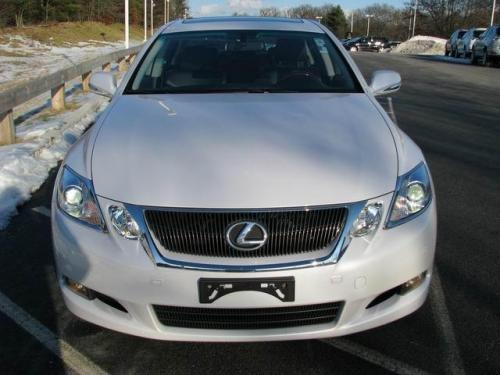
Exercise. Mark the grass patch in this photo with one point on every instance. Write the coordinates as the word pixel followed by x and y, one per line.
pixel 62 33
pixel 4 53
pixel 47 114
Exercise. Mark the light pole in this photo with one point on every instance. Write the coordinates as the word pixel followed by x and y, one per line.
pixel 126 24
pixel 409 26
pixel 168 10
pixel 493 12
pixel 352 22
pixel 145 20
pixel 368 26
pixel 414 18
pixel 151 18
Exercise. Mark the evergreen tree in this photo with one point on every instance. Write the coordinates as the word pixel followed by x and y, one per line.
pixel 335 20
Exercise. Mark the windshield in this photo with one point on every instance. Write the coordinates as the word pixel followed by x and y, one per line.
pixel 477 33
pixel 219 61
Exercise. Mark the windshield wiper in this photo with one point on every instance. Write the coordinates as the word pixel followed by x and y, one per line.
pixel 270 90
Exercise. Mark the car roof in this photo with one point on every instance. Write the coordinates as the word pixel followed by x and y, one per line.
pixel 243 23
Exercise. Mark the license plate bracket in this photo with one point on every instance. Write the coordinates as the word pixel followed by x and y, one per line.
pixel 210 290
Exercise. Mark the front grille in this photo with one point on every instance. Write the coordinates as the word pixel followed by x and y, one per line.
pixel 260 318
pixel 204 233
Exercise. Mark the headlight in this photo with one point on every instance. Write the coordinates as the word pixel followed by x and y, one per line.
pixel 413 194
pixel 75 196
pixel 123 222
pixel 368 220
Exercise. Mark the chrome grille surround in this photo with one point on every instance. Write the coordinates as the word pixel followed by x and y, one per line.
pixel 203 233
pixel 164 258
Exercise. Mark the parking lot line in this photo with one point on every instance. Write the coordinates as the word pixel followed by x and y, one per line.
pixel 374 357
pixel 453 359
pixel 69 355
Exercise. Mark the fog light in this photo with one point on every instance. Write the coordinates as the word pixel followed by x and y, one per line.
pixel 412 284
pixel 79 289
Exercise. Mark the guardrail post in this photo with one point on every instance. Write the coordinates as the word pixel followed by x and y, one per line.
pixel 122 64
pixel 131 58
pixel 57 94
pixel 106 67
pixel 7 130
pixel 86 81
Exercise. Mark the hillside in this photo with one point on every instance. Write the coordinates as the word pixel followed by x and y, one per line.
pixel 34 51
pixel 60 34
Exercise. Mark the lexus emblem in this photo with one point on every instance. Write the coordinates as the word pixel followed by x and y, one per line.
pixel 246 236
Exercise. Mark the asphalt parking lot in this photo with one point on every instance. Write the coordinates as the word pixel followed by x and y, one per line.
pixel 453 112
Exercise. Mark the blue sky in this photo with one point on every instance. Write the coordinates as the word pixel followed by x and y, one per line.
pixel 228 7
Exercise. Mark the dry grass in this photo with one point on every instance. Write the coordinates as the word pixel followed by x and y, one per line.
pixel 4 53
pixel 73 32
pixel 48 113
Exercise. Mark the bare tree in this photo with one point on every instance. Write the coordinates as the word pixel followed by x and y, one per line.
pixel 271 12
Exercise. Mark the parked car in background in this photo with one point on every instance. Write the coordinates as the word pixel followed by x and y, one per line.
pixel 353 43
pixel 367 43
pixel 451 44
pixel 486 50
pixel 464 45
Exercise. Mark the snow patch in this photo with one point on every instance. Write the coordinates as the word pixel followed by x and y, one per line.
pixel 22 59
pixel 421 45
pixel 25 166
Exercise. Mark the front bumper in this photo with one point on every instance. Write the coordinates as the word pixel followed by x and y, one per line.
pixel 121 269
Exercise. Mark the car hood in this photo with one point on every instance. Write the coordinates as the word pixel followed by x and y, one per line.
pixel 243 150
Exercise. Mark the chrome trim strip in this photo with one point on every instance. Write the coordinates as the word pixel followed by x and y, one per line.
pixel 338 250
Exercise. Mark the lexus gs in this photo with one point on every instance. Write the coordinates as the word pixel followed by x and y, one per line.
pixel 244 185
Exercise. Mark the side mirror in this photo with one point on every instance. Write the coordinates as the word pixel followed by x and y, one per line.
pixel 385 82
pixel 103 83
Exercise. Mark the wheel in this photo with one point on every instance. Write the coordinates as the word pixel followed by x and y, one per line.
pixel 453 53
pixel 446 52
pixel 473 58
pixel 484 59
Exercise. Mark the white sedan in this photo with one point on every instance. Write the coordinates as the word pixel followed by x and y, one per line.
pixel 244 185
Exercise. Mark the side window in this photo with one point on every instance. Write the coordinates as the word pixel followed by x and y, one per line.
pixel 498 31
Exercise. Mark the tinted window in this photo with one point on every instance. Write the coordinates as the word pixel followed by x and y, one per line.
pixel 461 33
pixel 218 61
pixel 477 33
pixel 498 31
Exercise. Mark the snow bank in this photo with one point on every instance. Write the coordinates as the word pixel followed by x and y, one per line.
pixel 25 166
pixel 22 59
pixel 421 45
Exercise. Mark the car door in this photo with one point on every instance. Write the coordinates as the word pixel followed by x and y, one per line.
pixel 462 43
pixel 480 43
pixel 492 37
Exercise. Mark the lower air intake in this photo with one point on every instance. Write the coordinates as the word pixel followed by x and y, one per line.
pixel 254 318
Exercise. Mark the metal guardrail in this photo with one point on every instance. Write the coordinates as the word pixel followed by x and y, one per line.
pixel 54 82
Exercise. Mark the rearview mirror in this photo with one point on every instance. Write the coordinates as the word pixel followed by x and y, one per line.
pixel 103 83
pixel 385 82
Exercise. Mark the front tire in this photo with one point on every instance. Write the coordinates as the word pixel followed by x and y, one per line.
pixel 484 60
pixel 473 58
